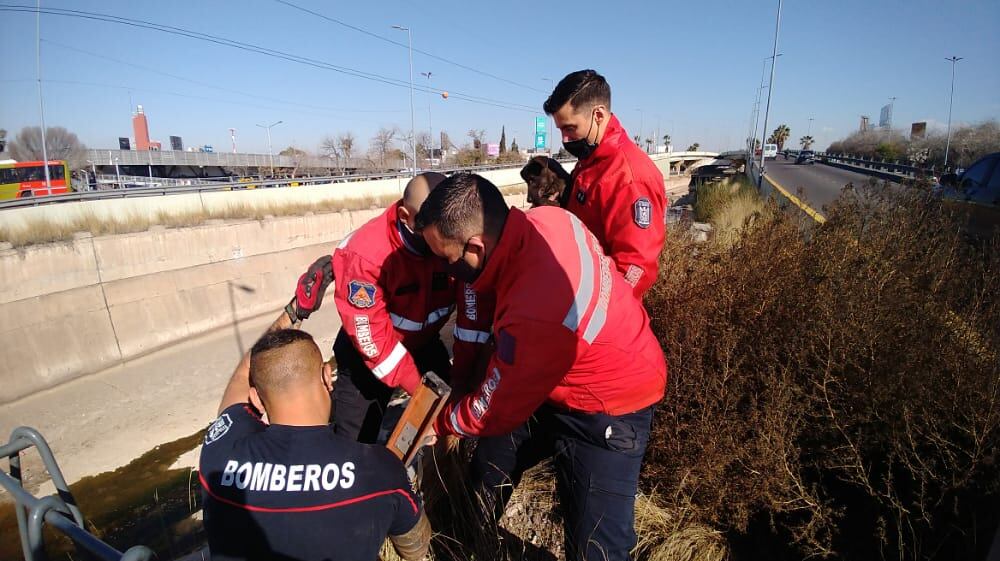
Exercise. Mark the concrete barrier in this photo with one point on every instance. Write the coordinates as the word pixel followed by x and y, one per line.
pixel 73 308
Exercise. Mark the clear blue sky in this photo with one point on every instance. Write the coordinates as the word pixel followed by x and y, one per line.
pixel 692 67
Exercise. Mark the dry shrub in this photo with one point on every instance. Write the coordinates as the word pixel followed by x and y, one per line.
pixel 836 391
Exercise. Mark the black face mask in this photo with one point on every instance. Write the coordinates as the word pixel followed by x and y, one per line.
pixel 412 240
pixel 581 148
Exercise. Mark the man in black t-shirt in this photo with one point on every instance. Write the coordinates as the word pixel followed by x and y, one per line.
pixel 293 489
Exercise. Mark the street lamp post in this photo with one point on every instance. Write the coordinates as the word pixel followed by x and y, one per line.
pixel 413 138
pixel 270 153
pixel 41 104
pixel 770 89
pixel 951 100
pixel 430 124
pixel 118 175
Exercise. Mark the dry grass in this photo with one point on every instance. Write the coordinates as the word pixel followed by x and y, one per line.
pixel 835 393
pixel 38 231
pixel 666 535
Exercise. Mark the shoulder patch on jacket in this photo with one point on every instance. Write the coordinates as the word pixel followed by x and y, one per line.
pixel 361 294
pixel 642 212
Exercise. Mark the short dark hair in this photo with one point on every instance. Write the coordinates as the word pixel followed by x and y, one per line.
pixel 582 89
pixel 462 206
pixel 273 373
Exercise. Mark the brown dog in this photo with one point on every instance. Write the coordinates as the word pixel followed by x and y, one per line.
pixel 548 183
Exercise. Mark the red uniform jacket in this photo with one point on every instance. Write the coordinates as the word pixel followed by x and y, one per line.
pixel 392 300
pixel 567 330
pixel 619 195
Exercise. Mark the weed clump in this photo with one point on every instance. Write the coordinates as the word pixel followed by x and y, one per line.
pixel 835 393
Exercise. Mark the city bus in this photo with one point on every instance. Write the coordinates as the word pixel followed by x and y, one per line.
pixel 27 179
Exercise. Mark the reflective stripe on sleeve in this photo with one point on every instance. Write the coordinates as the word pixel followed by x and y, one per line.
pixel 407 324
pixel 453 418
pixel 585 290
pixel 390 362
pixel 471 335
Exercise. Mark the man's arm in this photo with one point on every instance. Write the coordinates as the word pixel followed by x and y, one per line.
pixel 530 360
pixel 634 230
pixel 473 325
pixel 238 389
pixel 361 303
pixel 413 545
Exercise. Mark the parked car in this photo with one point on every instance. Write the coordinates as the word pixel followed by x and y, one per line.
pixel 975 193
pixel 711 173
pixel 806 157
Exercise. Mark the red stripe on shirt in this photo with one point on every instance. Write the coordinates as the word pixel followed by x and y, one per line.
pixel 327 506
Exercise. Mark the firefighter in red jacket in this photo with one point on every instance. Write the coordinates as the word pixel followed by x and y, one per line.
pixel 618 192
pixel 393 297
pixel 576 370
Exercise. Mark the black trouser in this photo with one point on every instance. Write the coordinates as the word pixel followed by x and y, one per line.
pixel 597 460
pixel 360 398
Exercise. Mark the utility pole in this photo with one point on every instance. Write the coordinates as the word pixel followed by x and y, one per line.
pixel 430 124
pixel 232 135
pixel 641 141
pixel 809 130
pixel 41 104
pixel 270 153
pixel 951 100
pixel 413 138
pixel 770 88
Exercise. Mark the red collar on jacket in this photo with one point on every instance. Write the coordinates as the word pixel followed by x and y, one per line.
pixel 614 135
pixel 511 241
pixel 392 226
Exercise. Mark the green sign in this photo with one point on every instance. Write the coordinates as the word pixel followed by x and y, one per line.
pixel 540 124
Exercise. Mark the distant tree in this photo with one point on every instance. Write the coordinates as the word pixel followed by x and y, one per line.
pixel 780 135
pixel 694 147
pixel 330 148
pixel 345 144
pixel 59 143
pixel 637 140
pixel 477 136
pixel 649 145
pixel 3 140
pixel 381 143
pixel 503 140
pixel 513 146
pixel 666 140
pixel 294 152
pixel 806 142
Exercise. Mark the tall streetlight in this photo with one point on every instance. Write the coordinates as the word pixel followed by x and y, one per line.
pixel 413 138
pixel 430 125
pixel 809 130
pixel 770 88
pixel 41 105
pixel 951 100
pixel 270 153
pixel 760 92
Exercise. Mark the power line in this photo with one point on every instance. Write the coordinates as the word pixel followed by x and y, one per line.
pixel 259 50
pixel 215 86
pixel 397 43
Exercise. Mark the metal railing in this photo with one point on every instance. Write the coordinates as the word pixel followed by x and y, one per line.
pixel 226 184
pixel 883 169
pixel 60 511
pixel 103 157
